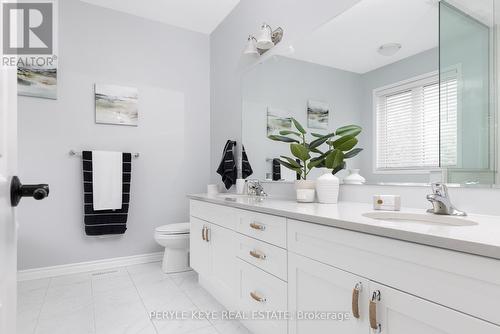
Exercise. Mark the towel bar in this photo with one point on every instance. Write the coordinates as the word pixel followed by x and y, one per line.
pixel 79 154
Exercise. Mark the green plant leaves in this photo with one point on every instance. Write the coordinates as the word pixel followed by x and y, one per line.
pixel 339 149
pixel 338 168
pixel 345 143
pixel 300 151
pixel 288 132
pixel 352 153
pixel 349 130
pixel 292 162
pixel 320 141
pixel 289 166
pixel 283 139
pixel 298 126
pixel 334 159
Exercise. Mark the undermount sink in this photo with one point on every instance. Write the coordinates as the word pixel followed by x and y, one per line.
pixel 419 218
pixel 228 195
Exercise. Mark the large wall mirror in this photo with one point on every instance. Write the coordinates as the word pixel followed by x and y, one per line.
pixel 418 76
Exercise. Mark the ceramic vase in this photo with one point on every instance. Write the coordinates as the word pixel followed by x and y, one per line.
pixel 354 177
pixel 327 188
pixel 305 191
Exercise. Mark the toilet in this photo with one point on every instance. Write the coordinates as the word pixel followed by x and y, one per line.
pixel 175 239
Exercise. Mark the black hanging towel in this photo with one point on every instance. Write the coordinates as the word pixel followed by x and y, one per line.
pixel 276 169
pixel 105 222
pixel 246 169
pixel 227 167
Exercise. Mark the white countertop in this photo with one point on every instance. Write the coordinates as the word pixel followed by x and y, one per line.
pixel 481 239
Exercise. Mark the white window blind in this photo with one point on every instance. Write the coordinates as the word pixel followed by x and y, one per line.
pixel 408 123
pixel 448 118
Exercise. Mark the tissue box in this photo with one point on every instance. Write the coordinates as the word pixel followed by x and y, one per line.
pixel 387 202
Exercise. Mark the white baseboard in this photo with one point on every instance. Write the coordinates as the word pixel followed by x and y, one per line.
pixel 81 267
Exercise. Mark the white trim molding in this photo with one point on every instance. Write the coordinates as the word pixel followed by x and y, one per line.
pixel 81 267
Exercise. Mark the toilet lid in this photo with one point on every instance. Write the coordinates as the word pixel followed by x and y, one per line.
pixel 173 228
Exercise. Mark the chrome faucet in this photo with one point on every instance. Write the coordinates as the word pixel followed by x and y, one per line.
pixel 441 202
pixel 255 188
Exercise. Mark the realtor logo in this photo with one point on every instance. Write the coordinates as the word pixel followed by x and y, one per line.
pixel 28 28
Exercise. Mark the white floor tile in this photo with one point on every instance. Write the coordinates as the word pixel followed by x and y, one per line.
pixel 70 279
pixel 78 321
pixel 33 284
pixel 230 327
pixel 186 280
pixel 206 330
pixel 180 326
pixel 118 301
pixel 124 318
pixel 203 300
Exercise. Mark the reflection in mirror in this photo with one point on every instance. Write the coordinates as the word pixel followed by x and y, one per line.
pixel 378 66
pixel 467 133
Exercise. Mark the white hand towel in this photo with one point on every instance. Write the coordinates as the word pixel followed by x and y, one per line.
pixel 107 180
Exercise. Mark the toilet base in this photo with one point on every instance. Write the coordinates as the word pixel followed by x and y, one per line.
pixel 175 261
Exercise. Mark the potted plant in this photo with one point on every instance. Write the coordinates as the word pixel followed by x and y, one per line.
pixel 302 162
pixel 340 148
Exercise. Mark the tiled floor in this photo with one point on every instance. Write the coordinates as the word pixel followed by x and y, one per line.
pixel 117 301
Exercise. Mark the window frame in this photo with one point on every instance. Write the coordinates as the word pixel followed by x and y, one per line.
pixel 420 80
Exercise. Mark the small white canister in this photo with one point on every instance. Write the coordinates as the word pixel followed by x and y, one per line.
pixel 387 202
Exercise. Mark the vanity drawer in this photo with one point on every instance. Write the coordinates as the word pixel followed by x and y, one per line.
pixel 271 229
pixel 260 293
pixel 213 213
pixel 269 258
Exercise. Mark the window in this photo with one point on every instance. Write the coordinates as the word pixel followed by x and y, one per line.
pixel 408 124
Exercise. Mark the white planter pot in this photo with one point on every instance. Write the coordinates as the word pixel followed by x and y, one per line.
pixel 305 191
pixel 354 177
pixel 327 188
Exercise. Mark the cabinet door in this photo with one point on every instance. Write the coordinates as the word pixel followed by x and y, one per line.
pixel 223 272
pixel 397 312
pixel 316 287
pixel 198 252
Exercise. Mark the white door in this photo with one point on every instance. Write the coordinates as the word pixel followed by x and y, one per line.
pixel 8 229
pixel 198 246
pixel 223 273
pixel 396 312
pixel 339 297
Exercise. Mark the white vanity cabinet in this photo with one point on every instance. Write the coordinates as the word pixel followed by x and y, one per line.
pixel 314 286
pixel 251 261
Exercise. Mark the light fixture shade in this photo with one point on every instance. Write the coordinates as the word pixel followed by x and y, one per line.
pixel 264 39
pixel 389 49
pixel 250 48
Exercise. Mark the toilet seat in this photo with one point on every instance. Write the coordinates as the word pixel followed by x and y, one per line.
pixel 173 229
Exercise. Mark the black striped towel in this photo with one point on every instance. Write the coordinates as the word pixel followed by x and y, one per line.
pixel 246 168
pixel 227 168
pixel 104 222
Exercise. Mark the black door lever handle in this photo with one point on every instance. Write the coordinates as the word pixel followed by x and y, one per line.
pixel 18 191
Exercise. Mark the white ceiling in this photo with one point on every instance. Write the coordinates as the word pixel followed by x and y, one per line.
pixel 350 40
pixel 197 15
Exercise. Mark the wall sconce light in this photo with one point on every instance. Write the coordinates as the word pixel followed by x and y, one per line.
pixel 251 48
pixel 266 39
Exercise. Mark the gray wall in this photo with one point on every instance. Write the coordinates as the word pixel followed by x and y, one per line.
pixel 287 84
pixel 170 67
pixel 297 17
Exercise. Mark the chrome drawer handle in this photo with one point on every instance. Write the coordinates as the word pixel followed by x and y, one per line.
pixel 258 298
pixel 256 226
pixel 257 255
